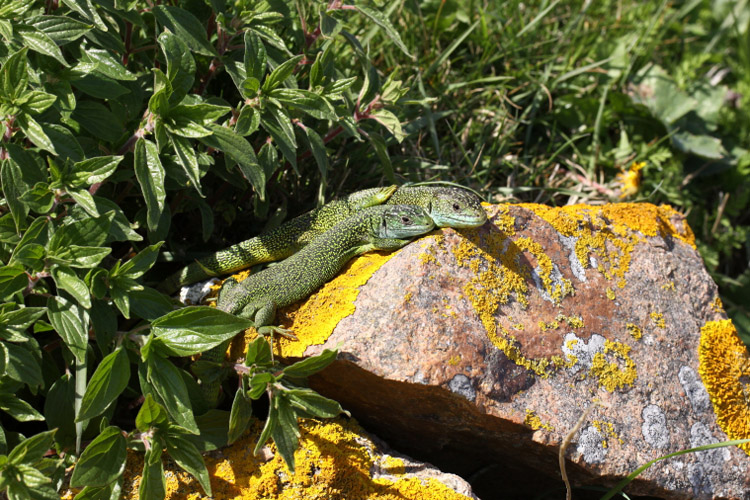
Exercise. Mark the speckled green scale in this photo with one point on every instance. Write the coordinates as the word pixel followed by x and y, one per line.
pixel 448 206
pixel 385 227
pixel 280 242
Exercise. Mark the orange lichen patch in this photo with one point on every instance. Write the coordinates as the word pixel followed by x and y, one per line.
pixel 615 374
pixel 634 331
pixel 532 420
pixel 725 370
pixel 429 255
pixel 334 461
pixel 658 319
pixel 314 319
pixel 556 290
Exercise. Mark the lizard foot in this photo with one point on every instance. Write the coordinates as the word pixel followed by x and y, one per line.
pixel 265 330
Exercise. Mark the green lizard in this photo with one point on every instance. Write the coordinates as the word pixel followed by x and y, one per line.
pixel 385 227
pixel 448 207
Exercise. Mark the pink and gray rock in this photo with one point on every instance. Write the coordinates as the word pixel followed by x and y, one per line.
pixel 480 350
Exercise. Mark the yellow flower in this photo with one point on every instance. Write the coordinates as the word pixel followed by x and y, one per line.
pixel 630 179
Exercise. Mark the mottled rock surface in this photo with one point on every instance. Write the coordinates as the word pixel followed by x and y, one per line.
pixel 479 350
pixel 336 460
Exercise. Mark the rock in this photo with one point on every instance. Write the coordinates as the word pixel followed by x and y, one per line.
pixel 479 351
pixel 336 460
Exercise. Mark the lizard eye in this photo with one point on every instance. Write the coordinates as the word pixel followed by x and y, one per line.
pixel 405 219
pixel 456 207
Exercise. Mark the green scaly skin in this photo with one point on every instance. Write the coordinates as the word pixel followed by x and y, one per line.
pixel 448 207
pixel 385 227
pixel 279 243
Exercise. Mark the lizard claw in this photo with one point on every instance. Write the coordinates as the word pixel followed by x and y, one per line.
pixel 264 330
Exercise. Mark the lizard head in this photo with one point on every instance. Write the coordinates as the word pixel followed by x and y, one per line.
pixel 403 221
pixel 455 207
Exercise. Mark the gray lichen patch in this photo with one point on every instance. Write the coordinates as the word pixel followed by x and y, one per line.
pixel 575 348
pixel 569 242
pixel 461 384
pixel 654 427
pixel 695 390
pixel 592 445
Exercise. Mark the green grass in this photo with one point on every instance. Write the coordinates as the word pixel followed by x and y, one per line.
pixel 538 101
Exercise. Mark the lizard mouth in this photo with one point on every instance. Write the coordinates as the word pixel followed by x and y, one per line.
pixel 461 222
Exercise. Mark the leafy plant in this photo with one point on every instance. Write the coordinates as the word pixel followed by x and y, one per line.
pixel 117 117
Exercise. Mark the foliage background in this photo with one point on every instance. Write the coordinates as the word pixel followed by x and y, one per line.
pixel 132 131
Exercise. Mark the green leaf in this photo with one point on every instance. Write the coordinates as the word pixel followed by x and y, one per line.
pixel 288 149
pixel 168 384
pixel 151 415
pixel 180 65
pixel 281 73
pixel 39 198
pixel 59 410
pixel 65 143
pixel 195 329
pixel 39 41
pixel 701 145
pixel 187 159
pixel 21 364
pixel 140 263
pixel 103 460
pixel 107 64
pixel 186 26
pixel 381 150
pixel 94 170
pixel 35 133
pixel 382 21
pixel 309 102
pixel 259 384
pixel 149 304
pixel 239 150
pixel 32 450
pixel 255 57
pixel 12 281
pixel 258 352
pixel 98 121
pixel 187 456
pixel 84 200
pixel 92 231
pixel 150 174
pixel 285 433
pixel 83 257
pixel 33 477
pixel 21 319
pixel 99 86
pixel 247 121
pixel 14 77
pixel 313 404
pixel 390 122
pixel 86 9
pixel 318 150
pixel 242 412
pixel 60 29
pixel 67 279
pixel 112 491
pixel 13 188
pixel 109 380
pixel 202 113
pixel 18 408
pixel 311 365
pixel 71 323
pixel 36 101
pixel 153 481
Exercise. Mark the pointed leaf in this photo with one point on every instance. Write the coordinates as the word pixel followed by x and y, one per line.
pixel 103 460
pixel 150 174
pixel 109 380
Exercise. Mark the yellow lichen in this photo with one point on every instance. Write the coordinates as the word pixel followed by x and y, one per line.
pixel 314 319
pixel 610 293
pixel 334 461
pixel 717 305
pixel 612 375
pixel 607 429
pixel 658 319
pixel 725 370
pixel 407 297
pixel 634 331
pixel 454 360
pixel 668 286
pixel 532 420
